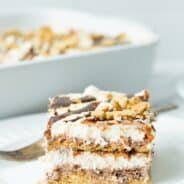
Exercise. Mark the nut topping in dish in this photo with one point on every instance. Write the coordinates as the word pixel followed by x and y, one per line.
pixel 17 45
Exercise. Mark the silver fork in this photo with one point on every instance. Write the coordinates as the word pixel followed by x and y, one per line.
pixel 36 149
pixel 29 152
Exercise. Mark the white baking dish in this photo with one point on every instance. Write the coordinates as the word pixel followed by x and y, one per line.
pixel 26 86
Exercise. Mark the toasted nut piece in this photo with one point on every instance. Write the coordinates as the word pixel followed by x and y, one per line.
pixel 96 37
pixel 119 102
pixel 109 116
pixel 116 105
pixel 134 100
pixel 140 107
pixel 128 113
pixel 58 48
pixel 109 96
pixel 43 53
pixel 107 42
pixel 10 46
pixel 117 116
pixel 144 96
pixel 45 34
pixel 120 38
pixel 11 32
pixel 122 100
pixel 28 35
pixel 71 42
pixel 98 114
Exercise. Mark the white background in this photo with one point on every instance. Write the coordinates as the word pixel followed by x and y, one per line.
pixel 164 16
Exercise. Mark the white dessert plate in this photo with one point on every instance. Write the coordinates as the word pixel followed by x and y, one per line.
pixel 168 163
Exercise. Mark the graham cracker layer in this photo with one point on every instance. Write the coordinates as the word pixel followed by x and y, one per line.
pixel 77 144
pixel 67 175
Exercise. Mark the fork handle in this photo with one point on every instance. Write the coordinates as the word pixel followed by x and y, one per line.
pixel 164 108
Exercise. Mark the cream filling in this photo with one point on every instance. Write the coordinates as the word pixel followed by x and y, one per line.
pixel 93 134
pixel 87 160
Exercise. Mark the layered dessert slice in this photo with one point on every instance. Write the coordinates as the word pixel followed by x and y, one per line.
pixel 99 137
pixel 100 121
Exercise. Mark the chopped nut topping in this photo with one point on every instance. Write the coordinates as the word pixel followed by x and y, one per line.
pixel 123 108
pixel 119 102
pixel 105 105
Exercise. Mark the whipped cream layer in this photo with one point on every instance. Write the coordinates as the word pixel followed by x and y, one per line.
pixel 93 161
pixel 93 134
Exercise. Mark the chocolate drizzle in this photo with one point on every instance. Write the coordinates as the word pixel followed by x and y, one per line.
pixel 60 102
pixel 87 98
pixel 65 101
pixel 89 107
